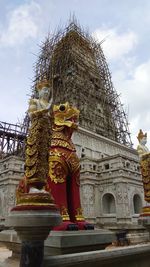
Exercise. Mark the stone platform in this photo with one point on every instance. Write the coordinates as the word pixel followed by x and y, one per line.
pixel 135 233
pixel 64 242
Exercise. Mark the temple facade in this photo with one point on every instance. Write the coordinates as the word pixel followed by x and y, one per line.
pixel 111 184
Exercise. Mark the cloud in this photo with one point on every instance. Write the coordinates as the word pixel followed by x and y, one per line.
pixel 22 24
pixel 115 45
pixel 135 94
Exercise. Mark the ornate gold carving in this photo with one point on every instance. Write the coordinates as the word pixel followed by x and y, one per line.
pixel 145 170
pixel 73 162
pixel 30 161
pixel 64 214
pixel 31 188
pixel 57 169
pixel 65 115
pixel 79 216
pixel 36 164
pixel 35 199
pixel 62 143
pixel 31 150
pixel 62 157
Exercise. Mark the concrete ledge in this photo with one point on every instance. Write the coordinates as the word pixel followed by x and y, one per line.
pixel 64 242
pixel 132 256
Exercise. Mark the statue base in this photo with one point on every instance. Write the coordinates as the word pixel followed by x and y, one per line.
pixel 33 223
pixel 63 242
pixel 34 210
pixel 66 242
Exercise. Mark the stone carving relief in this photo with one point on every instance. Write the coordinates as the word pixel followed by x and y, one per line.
pixel 119 195
pixel 8 200
pixel 88 200
pixel 126 199
pixel 5 205
pixel 123 198
pixel 1 203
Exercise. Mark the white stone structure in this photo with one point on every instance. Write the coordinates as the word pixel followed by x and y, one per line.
pixel 11 171
pixel 111 184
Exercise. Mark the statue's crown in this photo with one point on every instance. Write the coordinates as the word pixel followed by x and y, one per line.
pixel 141 135
pixel 42 83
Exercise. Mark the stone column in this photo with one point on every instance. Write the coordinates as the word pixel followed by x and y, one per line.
pixel 33 227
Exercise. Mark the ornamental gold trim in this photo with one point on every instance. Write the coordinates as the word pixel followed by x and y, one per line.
pixel 34 199
pixel 64 214
pixel 146 209
pixel 79 215
pixel 58 159
pixel 57 169
pixel 61 143
pixel 145 171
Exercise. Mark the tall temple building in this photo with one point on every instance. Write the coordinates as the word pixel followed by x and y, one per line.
pixel 111 185
pixel 77 66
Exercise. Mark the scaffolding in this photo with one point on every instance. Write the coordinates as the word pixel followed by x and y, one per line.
pixel 12 139
pixel 76 67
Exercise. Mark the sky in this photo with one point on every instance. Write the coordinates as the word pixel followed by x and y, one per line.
pixel 123 24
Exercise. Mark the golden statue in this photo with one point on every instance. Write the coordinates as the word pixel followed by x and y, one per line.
pixel 144 155
pixel 31 188
pixel 141 148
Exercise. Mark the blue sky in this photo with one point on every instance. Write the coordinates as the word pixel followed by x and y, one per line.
pixel 124 24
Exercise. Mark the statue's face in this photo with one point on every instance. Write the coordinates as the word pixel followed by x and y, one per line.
pixel 143 141
pixel 44 93
pixel 66 115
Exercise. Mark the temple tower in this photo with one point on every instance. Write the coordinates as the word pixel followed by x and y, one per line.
pixel 76 65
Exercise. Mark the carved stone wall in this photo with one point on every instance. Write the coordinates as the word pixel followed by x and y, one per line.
pixel 11 171
pixel 88 200
pixel 94 146
pixel 115 177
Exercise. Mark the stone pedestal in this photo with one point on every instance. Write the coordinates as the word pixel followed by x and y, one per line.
pixel 63 242
pixel 66 242
pixel 33 227
pixel 33 224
